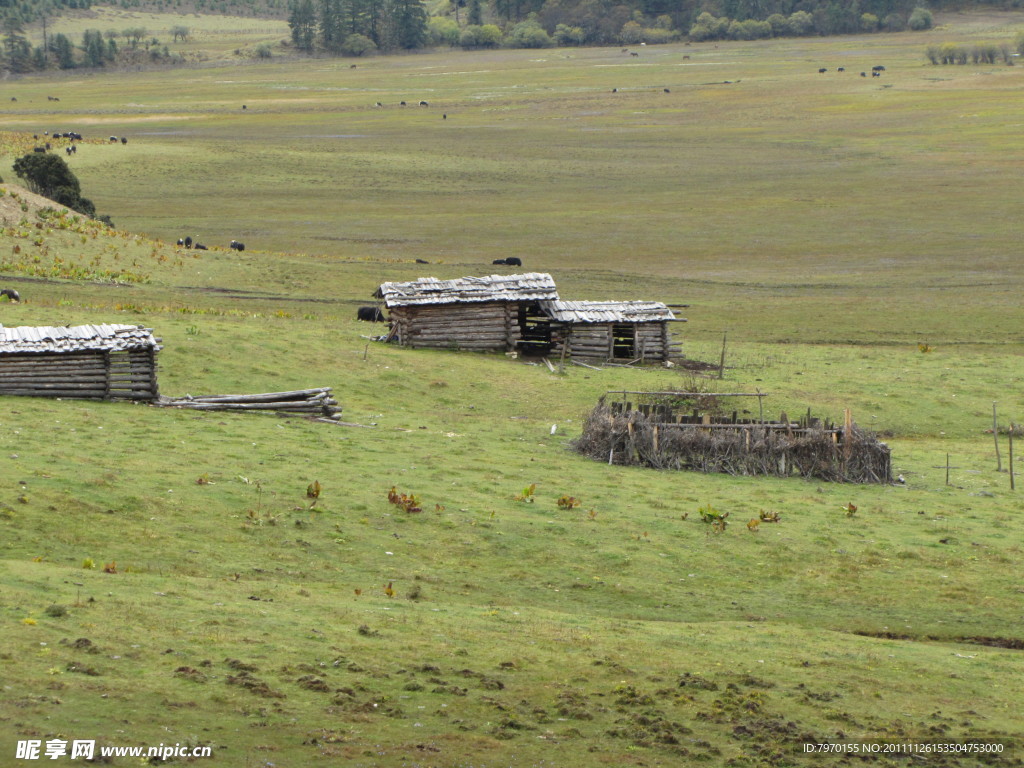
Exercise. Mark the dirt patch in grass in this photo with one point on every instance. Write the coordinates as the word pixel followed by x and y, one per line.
pixel 1013 643
pixel 19 203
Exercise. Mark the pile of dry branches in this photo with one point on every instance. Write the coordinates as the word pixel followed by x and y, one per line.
pixel 631 438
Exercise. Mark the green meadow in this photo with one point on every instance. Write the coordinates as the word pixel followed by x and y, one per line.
pixel 166 579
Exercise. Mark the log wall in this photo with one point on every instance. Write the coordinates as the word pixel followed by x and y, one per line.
pixel 128 375
pixel 596 341
pixel 480 327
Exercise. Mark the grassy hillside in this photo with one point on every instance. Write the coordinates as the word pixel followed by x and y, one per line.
pixel 827 223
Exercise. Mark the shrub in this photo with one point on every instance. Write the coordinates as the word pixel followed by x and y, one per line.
pixel 631 34
pixel 894 23
pixel 869 22
pixel 358 45
pixel 920 19
pixel 528 34
pixel 707 27
pixel 263 51
pixel 778 24
pixel 442 31
pixel 749 30
pixel 566 35
pixel 800 23
pixel 482 36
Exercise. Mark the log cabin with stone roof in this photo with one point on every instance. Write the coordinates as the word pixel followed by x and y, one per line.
pixel 483 314
pixel 624 331
pixel 106 362
pixel 523 313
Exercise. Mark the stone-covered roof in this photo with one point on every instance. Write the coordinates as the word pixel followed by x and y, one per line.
pixel 531 286
pixel 77 338
pixel 607 311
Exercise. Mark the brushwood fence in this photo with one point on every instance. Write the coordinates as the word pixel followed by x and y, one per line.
pixel 656 437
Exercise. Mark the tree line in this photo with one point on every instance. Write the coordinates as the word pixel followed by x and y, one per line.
pixel 358 27
pixel 96 49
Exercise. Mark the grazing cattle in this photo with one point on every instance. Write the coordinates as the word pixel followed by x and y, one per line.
pixel 666 90
pixel 422 261
pixel 378 104
pixel 863 74
pixel 424 104
pixel 180 241
pixel 401 103
pixel 370 314
pixel 68 150
pixel 200 247
pixel 11 294
pixel 113 138
pixel 686 57
pixel 236 246
pixel 876 74
pixel 499 261
pixel 514 261
pixel 52 98
pixel 124 140
pixel 878 68
pixel 615 90
pixel 633 53
pixel 841 69
pixel 822 71
pixel 39 149
pixel 14 98
pixel 244 107
pixel 444 116
pixel 188 242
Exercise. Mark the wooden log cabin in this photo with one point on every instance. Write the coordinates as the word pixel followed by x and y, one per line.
pixel 483 314
pixel 624 331
pixel 523 313
pixel 107 362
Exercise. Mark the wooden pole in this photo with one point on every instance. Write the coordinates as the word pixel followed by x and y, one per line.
pixel 721 362
pixel 947 469
pixel 995 436
pixel 1010 459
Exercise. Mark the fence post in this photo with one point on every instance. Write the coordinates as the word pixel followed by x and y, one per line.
pixel 995 436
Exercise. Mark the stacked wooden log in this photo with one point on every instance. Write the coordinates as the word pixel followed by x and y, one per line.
pixel 128 375
pixel 479 327
pixel 303 402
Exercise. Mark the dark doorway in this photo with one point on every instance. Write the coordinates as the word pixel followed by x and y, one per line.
pixel 623 342
pixel 535 331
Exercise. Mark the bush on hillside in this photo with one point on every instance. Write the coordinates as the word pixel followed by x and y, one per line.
pixel 49 176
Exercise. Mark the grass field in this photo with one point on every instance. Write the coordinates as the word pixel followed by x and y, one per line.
pixel 827 223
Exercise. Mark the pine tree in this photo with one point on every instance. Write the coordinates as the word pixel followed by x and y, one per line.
pixel 302 22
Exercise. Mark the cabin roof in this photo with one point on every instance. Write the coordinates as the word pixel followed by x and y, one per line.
pixel 77 338
pixel 531 286
pixel 607 311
